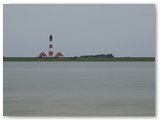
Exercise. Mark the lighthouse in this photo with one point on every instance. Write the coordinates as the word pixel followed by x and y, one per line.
pixel 50 46
pixel 50 54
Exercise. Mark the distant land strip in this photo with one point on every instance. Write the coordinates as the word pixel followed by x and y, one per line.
pixel 79 59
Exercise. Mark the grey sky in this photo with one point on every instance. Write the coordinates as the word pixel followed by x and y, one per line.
pixel 123 30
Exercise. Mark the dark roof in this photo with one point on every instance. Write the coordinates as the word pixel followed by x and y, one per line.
pixel 59 54
pixel 42 54
pixel 50 37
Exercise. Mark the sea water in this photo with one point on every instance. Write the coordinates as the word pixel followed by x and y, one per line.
pixel 79 88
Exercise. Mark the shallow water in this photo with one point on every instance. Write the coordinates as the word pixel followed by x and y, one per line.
pixel 79 88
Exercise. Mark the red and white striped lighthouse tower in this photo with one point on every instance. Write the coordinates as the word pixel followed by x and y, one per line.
pixel 50 46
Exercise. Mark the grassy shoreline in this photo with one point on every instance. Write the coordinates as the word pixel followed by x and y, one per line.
pixel 79 59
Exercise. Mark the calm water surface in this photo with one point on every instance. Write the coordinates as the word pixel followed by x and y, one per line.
pixel 79 88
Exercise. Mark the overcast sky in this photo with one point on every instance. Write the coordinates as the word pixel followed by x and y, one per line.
pixel 122 30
